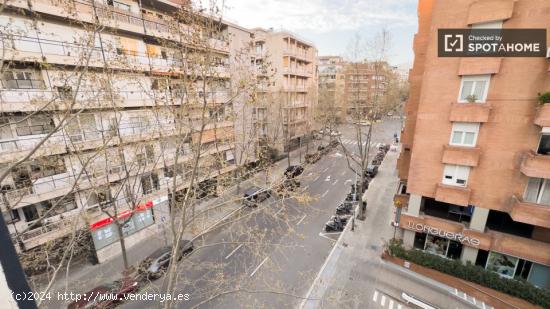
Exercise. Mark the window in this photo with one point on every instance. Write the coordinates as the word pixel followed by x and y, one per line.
pixel 22 79
pixel 122 6
pixel 64 92
pixel 11 216
pixel 32 125
pixel 147 155
pixel 538 191
pixel 150 183
pixel 5 129
pixel 464 134
pixel 474 88
pixel 456 175
pixel 30 213
pixel 497 24
pixel 544 144
pixel 82 127
pixel 502 264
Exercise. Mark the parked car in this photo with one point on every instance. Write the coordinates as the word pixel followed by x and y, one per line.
pixel 255 195
pixel 336 223
pixel 312 157
pixel 117 290
pixel 154 266
pixel 294 171
pixel 345 208
pixel 372 170
pixel 334 143
pixel 323 150
pixel 287 186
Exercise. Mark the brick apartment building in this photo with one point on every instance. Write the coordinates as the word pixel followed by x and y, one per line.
pixel 475 172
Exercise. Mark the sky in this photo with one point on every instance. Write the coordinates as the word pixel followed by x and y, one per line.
pixel 331 25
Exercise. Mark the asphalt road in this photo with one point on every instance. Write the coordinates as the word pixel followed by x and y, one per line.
pixel 268 256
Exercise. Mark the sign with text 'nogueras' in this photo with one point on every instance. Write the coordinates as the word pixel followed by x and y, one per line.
pixel 491 42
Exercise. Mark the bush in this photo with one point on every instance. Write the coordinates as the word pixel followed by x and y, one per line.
pixel 544 98
pixel 473 273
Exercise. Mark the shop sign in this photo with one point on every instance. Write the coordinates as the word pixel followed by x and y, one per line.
pixel 441 233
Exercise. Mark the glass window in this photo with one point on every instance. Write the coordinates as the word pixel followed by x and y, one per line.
pixel 32 125
pixel 538 191
pixel 474 88
pixel 455 175
pixel 502 264
pixel 544 145
pixel 464 134
pixel 436 245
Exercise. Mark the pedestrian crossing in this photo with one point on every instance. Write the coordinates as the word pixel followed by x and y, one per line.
pixel 385 301
pixel 346 141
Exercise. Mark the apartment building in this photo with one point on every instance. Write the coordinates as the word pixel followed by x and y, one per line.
pixel 365 84
pixel 287 75
pixel 107 99
pixel 331 85
pixel 475 164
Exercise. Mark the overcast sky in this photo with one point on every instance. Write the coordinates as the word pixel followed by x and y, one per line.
pixel 332 24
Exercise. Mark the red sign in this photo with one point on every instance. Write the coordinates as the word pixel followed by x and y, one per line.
pixel 122 215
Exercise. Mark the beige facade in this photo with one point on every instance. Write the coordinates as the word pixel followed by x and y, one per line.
pixel 287 73
pixel 475 173
pixel 331 86
pixel 43 198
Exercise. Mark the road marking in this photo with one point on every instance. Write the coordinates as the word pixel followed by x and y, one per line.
pixel 335 182
pixel 343 173
pixel 347 180
pixel 325 236
pixel 326 169
pixel 232 252
pixel 310 173
pixel 255 270
pixel 383 300
pixel 306 187
pixel 390 305
pixel 316 178
pixel 301 219
pixel 399 306
pixel 375 296
pixel 323 195
pixel 279 211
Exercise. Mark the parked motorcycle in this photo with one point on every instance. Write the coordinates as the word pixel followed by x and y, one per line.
pixel 336 223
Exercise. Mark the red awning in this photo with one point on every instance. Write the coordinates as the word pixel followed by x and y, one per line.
pixel 122 215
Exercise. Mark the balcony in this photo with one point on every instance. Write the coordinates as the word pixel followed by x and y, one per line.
pixel 453 194
pixel 42 189
pixel 48 231
pixel 531 213
pixel 296 71
pixel 470 112
pixel 468 156
pixel 543 115
pixel 535 165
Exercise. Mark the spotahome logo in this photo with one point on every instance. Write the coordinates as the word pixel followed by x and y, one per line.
pixel 492 42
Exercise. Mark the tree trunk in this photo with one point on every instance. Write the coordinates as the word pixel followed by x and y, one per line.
pixel 122 246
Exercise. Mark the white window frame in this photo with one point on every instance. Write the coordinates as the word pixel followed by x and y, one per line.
pixel 455 171
pixel 464 127
pixel 475 78
pixel 495 24
pixel 541 191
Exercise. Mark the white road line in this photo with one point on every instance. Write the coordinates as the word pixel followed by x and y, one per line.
pixel 310 173
pixel 375 295
pixel 324 194
pixel 390 305
pixel 232 252
pixel 383 300
pixel 326 169
pixel 279 211
pixel 324 236
pixel 316 178
pixel 399 306
pixel 343 173
pixel 335 182
pixel 328 178
pixel 255 270
pixel 301 219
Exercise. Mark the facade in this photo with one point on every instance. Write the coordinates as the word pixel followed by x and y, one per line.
pixel 109 102
pixel 287 75
pixel 475 171
pixel 331 85
pixel 363 82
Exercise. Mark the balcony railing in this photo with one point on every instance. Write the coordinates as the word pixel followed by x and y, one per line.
pixel 535 165
pixel 531 213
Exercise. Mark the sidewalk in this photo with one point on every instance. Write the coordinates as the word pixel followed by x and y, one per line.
pixel 83 276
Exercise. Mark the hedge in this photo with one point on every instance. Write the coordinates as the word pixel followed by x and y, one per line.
pixel 473 273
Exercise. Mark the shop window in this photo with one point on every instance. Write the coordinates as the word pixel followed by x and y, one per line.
pixel 502 264
pixel 419 241
pixel 437 245
pixel 456 175
pixel 474 88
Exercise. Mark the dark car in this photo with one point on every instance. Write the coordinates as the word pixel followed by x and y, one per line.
pixel 255 195
pixel 106 296
pixel 336 223
pixel 294 171
pixel 372 170
pixel 323 150
pixel 154 266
